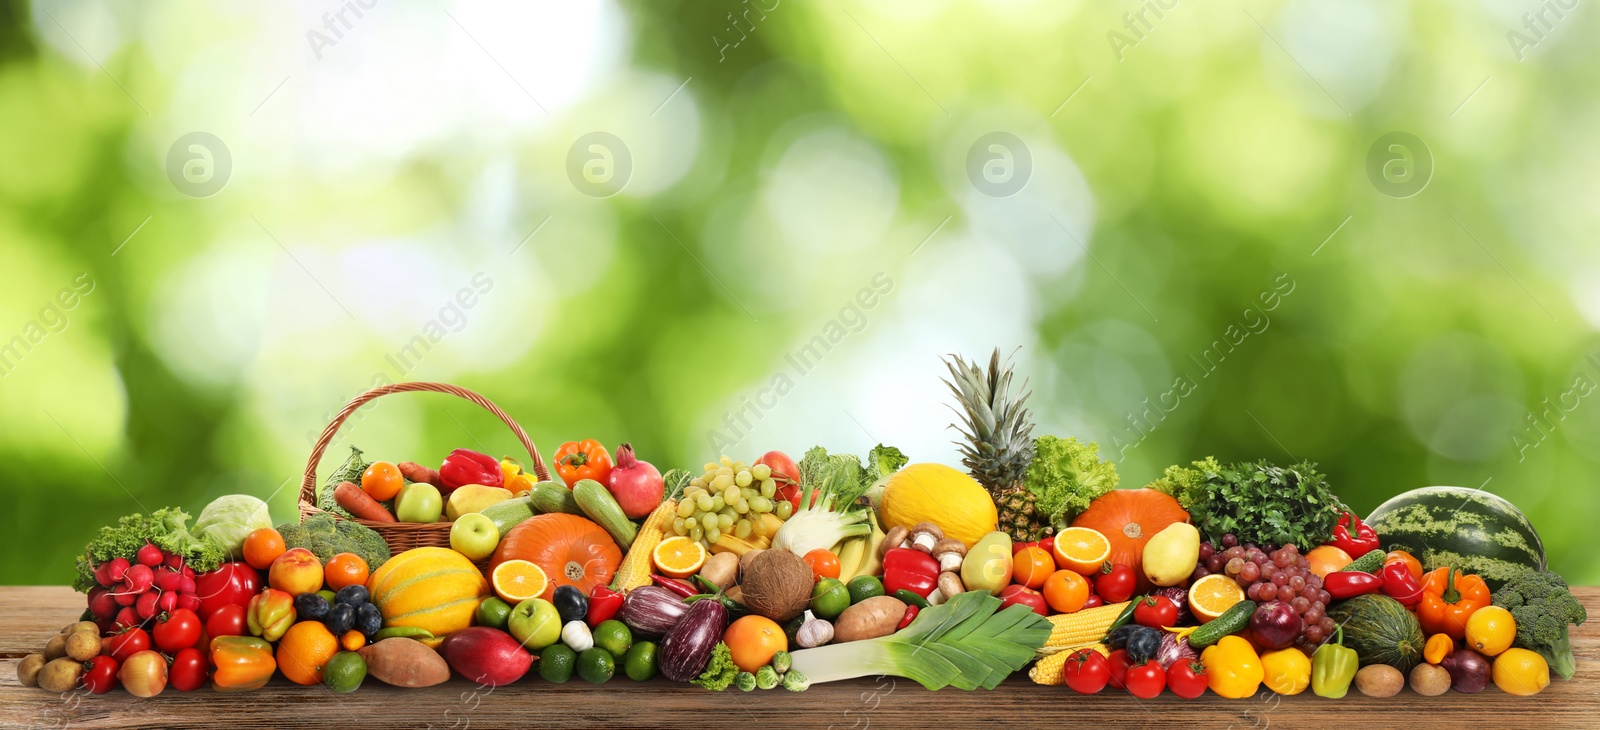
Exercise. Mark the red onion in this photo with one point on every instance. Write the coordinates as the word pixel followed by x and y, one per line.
pixel 636 485
pixel 1174 649
pixel 1276 625
pixel 1469 671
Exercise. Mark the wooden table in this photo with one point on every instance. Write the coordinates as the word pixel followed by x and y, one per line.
pixel 30 615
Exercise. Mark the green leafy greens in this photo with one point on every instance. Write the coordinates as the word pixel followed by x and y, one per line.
pixel 720 671
pixel 349 471
pixel 167 528
pixel 1257 502
pixel 1066 475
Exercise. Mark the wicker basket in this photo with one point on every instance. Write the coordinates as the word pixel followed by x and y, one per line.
pixel 402 536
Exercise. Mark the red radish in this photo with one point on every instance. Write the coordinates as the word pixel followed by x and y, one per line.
pixel 186 584
pixel 187 571
pixel 189 601
pixel 118 569
pixel 636 485
pixel 167 601
pixel 139 578
pixel 146 605
pixel 101 603
pixel 124 596
pixel 127 618
pixel 167 580
pixel 174 562
pixel 102 575
pixel 150 555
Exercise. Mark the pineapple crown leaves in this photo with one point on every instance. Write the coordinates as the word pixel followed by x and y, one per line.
pixel 998 447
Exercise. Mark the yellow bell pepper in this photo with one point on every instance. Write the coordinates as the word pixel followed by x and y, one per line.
pixel 1287 671
pixel 1233 668
pixel 514 478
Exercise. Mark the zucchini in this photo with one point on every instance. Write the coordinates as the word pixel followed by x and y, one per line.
pixel 510 513
pixel 553 497
pixel 1372 562
pixel 600 506
pixel 1231 622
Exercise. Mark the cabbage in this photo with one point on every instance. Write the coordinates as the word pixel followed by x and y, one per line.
pixel 229 519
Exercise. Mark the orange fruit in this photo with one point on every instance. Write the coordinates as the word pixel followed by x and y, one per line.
pixel 263 546
pixel 345 569
pixel 1328 559
pixel 1082 550
pixel 352 640
pixel 1521 672
pixel 1213 595
pixel 518 580
pixel 753 640
pixel 1066 591
pixel 679 557
pixel 1031 566
pixel 382 481
pixel 304 650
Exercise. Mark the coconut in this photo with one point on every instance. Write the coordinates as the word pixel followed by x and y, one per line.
pixel 777 584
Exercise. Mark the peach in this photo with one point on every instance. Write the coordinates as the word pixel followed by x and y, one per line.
pixel 296 571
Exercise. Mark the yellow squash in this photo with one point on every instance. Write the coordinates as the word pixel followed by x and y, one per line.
pixel 939 494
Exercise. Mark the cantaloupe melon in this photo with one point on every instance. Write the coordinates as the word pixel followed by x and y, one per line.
pixel 432 588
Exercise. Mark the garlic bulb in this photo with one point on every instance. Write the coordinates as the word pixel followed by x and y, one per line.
pixel 813 632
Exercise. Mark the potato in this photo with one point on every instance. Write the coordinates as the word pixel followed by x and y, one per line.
pixel 28 669
pixel 56 647
pixel 60 675
pixel 869 619
pixel 71 629
pixel 721 569
pixel 744 561
pixel 1430 680
pixel 1380 680
pixel 405 662
pixel 83 645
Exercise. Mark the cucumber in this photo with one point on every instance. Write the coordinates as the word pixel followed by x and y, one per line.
pixel 1372 562
pixel 1231 622
pixel 510 513
pixel 553 497
pixel 600 506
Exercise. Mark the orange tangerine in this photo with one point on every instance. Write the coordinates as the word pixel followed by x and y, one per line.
pixel 1082 550
pixel 1031 566
pixel 304 650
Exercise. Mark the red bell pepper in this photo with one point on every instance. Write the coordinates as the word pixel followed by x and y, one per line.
pixel 1355 537
pixel 270 614
pixel 1345 584
pixel 910 569
pixel 1399 584
pixel 603 604
pixel 465 466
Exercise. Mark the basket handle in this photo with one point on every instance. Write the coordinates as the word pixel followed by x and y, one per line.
pixel 308 484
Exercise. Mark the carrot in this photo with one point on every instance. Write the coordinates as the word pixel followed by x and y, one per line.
pixel 415 472
pixel 359 503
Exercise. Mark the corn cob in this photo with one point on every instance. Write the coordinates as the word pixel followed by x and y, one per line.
pixel 1049 669
pixel 1077 630
pixel 635 568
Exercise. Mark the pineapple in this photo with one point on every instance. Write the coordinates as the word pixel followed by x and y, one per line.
pixel 999 443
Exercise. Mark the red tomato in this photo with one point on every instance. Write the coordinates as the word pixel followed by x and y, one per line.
pixel 1093 601
pixel 1086 672
pixel 1157 612
pixel 1017 547
pixel 178 630
pixel 1025 596
pixel 188 671
pixel 101 676
pixel 787 475
pixel 1146 680
pixel 227 621
pixel 824 564
pixel 230 583
pixel 1049 544
pixel 1115 583
pixel 1187 679
pixel 1118 664
pixel 126 644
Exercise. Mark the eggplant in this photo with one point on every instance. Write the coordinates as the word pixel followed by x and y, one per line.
pixel 652 610
pixel 687 648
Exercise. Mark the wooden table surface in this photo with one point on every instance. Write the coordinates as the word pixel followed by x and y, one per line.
pixel 30 615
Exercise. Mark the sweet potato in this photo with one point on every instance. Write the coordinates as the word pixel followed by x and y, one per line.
pixel 360 504
pixel 405 662
pixel 869 619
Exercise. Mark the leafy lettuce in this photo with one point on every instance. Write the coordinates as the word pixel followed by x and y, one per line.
pixel 1066 475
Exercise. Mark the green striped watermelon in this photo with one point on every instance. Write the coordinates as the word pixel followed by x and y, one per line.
pixel 1468 529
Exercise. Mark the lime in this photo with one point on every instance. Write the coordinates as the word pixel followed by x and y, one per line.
pixel 829 599
pixel 493 613
pixel 536 623
pixel 640 663
pixel 555 663
pixel 613 636
pixel 596 665
pixel 344 672
pixel 327 595
pixel 863 587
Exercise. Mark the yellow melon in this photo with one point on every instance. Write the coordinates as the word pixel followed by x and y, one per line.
pixel 431 588
pixel 939 494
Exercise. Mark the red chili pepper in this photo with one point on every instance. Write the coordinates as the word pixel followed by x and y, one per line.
pixel 909 569
pixel 603 604
pixel 1399 584
pixel 1342 585
pixel 1363 540
pixel 911 615
pixel 684 590
pixel 465 466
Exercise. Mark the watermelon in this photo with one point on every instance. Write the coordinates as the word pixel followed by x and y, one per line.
pixel 1468 529
pixel 1381 631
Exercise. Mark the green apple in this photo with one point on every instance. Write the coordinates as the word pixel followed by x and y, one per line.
pixel 419 502
pixel 474 535
pixel 536 623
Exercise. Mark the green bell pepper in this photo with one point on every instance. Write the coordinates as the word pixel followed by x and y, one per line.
pixel 1333 667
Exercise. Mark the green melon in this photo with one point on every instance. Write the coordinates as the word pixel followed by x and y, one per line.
pixel 1381 631
pixel 1468 529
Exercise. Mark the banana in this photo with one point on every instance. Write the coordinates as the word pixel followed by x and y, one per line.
pixel 871 563
pixel 850 556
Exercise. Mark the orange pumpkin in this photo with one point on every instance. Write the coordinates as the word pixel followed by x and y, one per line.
pixel 571 550
pixel 1129 518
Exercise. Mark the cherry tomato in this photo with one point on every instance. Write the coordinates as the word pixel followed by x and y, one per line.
pixel 1018 547
pixel 102 675
pixel 1146 680
pixel 1086 672
pixel 1093 601
pixel 1187 678
pixel 188 671
pixel 1115 583
pixel 1156 612
pixel 824 564
pixel 177 630
pixel 1118 664
pixel 1049 544
pixel 126 644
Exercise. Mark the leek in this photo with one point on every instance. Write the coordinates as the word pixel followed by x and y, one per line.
pixel 964 642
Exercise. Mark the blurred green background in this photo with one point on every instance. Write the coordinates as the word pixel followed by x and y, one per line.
pixel 1187 221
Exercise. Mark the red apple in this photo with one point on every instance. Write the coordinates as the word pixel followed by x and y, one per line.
pixel 295 572
pixel 1025 596
pixel 485 655
pixel 787 474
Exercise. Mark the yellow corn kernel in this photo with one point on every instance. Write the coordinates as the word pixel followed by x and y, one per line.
pixel 1049 669
pixel 635 568
pixel 1085 627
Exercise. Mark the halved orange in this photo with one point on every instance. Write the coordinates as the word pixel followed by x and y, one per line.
pixel 679 557
pixel 1082 550
pixel 1213 595
pixel 518 580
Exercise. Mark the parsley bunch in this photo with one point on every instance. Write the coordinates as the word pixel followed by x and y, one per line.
pixel 1259 503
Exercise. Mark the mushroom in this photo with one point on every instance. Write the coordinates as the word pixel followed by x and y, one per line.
pixel 950 584
pixel 896 538
pixel 949 552
pixel 924 535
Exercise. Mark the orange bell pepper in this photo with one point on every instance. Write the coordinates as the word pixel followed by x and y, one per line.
pixel 514 478
pixel 1448 600
pixel 586 459
pixel 242 663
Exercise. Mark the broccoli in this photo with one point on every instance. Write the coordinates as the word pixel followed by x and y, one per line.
pixel 720 671
pixel 1543 609
pixel 326 537
pixel 1066 475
